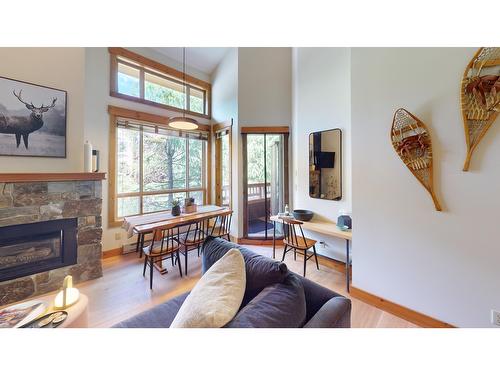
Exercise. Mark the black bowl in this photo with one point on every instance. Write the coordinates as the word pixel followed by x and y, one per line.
pixel 303 215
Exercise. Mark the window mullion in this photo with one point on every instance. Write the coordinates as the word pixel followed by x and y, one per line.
pixel 142 84
pixel 188 97
pixel 141 170
pixel 187 167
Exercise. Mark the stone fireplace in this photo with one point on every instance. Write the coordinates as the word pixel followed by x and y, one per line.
pixel 28 249
pixel 50 227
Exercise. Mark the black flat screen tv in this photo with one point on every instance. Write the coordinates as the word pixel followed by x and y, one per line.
pixel 324 159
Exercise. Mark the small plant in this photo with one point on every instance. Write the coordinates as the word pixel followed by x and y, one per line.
pixel 176 207
pixel 188 201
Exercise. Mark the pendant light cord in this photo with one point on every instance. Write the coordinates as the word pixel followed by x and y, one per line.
pixel 184 81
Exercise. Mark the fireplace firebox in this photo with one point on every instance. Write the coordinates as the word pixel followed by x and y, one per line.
pixel 27 249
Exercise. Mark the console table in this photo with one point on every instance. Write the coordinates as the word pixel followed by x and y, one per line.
pixel 325 227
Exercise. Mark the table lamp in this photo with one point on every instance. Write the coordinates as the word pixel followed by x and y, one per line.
pixel 68 295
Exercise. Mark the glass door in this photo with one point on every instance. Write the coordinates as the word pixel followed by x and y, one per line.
pixel 223 167
pixel 265 182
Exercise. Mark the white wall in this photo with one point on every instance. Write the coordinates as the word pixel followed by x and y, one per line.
pixel 224 108
pixel 443 264
pixel 321 101
pixel 264 97
pixel 264 86
pixel 61 68
pixel 97 100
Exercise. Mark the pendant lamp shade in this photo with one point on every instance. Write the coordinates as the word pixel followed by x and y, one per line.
pixel 183 123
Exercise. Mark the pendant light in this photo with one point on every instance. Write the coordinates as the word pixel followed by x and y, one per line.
pixel 183 123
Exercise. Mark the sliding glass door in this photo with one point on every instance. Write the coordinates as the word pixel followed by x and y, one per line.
pixel 223 167
pixel 265 182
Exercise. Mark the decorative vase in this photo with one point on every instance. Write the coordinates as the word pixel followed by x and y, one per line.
pixel 176 210
pixel 87 157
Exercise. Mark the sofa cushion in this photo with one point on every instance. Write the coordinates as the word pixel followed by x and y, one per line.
pixel 281 305
pixel 216 297
pixel 160 316
pixel 260 271
pixel 336 312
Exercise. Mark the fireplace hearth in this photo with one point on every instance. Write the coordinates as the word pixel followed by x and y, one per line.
pixel 27 249
pixel 48 230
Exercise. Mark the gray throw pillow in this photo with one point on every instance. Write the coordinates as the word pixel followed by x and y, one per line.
pixel 281 305
pixel 261 271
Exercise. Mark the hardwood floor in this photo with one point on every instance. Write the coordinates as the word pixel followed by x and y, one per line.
pixel 123 292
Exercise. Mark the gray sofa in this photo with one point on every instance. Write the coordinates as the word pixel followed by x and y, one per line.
pixel 323 307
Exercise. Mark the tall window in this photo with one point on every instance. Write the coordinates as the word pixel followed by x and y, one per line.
pixel 137 78
pixel 223 163
pixel 155 166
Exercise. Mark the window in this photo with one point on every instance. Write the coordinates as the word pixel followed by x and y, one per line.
pixel 154 166
pixel 128 80
pixel 223 136
pixel 137 78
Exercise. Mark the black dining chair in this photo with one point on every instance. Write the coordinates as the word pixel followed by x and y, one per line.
pixel 297 241
pixel 164 245
pixel 193 239
pixel 221 226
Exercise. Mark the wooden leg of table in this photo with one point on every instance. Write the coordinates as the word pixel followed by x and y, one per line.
pixel 347 266
pixel 159 266
pixel 138 242
pixel 141 245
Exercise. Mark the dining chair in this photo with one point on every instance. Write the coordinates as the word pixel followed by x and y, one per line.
pixel 293 240
pixel 167 239
pixel 192 239
pixel 221 226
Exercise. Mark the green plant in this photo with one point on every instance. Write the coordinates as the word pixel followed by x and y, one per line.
pixel 176 203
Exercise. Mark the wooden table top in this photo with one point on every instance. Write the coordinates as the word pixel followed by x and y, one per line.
pixel 180 220
pixel 322 226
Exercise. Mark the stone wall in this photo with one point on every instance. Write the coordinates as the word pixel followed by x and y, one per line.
pixel 30 202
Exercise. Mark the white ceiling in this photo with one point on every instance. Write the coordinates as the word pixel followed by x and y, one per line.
pixel 204 59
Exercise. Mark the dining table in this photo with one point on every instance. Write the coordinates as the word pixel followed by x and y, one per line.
pixel 145 224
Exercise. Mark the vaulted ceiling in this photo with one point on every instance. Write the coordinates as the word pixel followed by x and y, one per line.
pixel 204 59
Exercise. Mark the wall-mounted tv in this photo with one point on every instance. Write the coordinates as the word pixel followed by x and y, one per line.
pixel 324 159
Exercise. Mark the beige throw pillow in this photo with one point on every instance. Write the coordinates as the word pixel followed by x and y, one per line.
pixel 217 296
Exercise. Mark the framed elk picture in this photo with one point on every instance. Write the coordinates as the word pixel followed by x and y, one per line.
pixel 32 119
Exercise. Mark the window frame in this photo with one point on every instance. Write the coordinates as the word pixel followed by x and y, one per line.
pixel 146 65
pixel 155 120
pixel 216 128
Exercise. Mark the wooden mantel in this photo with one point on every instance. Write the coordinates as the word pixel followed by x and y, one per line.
pixel 50 177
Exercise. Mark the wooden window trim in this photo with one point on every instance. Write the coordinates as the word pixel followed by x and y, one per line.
pixel 286 188
pixel 265 130
pixel 227 125
pixel 143 63
pixel 161 121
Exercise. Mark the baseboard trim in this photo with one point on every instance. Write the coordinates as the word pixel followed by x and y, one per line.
pixel 337 265
pixel 256 242
pixel 398 310
pixel 112 253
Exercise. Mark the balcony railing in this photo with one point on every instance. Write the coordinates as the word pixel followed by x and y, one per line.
pixel 255 191
pixel 258 191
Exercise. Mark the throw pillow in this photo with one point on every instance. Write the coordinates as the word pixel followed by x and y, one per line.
pixel 281 305
pixel 217 296
pixel 261 271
